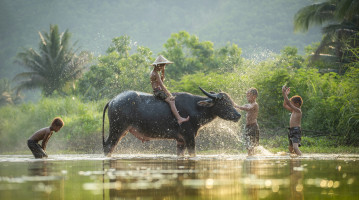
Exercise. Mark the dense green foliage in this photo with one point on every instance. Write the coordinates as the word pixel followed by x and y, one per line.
pixel 81 130
pixel 117 71
pixel 330 100
pixel 191 55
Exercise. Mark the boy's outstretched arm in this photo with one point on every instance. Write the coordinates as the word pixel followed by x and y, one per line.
pixel 287 104
pixel 246 107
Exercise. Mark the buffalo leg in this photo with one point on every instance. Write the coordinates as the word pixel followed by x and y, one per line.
pixel 116 134
pixel 180 148
pixel 191 146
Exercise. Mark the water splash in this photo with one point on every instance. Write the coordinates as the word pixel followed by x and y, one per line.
pixel 260 150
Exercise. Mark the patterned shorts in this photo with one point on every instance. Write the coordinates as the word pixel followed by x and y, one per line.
pixel 295 136
pixel 252 136
pixel 160 94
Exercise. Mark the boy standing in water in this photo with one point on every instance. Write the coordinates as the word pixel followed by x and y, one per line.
pixel 294 106
pixel 252 129
pixel 159 89
pixel 43 134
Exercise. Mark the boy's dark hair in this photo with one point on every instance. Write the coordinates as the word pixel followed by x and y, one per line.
pixel 253 91
pixel 297 99
pixel 57 122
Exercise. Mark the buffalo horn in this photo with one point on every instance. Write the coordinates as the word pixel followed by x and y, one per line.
pixel 212 96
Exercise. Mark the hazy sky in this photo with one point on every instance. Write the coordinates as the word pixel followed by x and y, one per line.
pixel 256 26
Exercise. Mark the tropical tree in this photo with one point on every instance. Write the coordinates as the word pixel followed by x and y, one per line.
pixel 53 65
pixel 190 55
pixel 340 21
pixel 117 71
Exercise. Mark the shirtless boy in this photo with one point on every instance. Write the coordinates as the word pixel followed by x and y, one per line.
pixel 252 129
pixel 293 105
pixel 43 134
pixel 159 89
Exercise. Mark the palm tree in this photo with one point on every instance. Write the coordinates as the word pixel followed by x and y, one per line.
pixel 340 32
pixel 54 65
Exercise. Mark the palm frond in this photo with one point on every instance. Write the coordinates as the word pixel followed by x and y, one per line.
pixel 25 75
pixel 35 82
pixel 31 59
pixel 343 30
pixel 315 14
pixel 4 85
pixel 347 9
pixel 46 48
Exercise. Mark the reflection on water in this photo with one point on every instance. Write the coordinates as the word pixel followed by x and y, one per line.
pixel 169 177
pixel 296 179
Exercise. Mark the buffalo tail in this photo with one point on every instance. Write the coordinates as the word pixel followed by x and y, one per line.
pixel 103 126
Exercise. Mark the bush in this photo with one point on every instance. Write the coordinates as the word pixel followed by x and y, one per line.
pixel 82 121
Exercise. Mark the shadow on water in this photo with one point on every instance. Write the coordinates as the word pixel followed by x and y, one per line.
pixel 144 176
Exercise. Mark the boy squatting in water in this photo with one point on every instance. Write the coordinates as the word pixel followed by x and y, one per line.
pixel 44 134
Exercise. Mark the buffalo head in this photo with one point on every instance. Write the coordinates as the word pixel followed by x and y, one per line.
pixel 221 105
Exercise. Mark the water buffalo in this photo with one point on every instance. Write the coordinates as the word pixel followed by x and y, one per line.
pixel 149 118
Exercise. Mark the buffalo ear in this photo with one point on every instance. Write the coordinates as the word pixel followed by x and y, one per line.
pixel 206 103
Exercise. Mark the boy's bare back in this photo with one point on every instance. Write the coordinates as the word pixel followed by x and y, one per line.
pixel 40 134
pixel 295 118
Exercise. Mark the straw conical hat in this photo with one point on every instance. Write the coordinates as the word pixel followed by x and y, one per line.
pixel 161 60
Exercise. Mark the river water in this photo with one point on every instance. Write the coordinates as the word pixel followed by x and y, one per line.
pixel 149 176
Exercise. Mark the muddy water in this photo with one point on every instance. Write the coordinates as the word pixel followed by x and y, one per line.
pixel 313 176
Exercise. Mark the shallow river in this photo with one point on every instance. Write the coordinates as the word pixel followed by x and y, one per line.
pixel 314 176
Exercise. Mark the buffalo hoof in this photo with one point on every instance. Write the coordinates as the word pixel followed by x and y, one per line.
pixel 107 154
pixel 192 155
